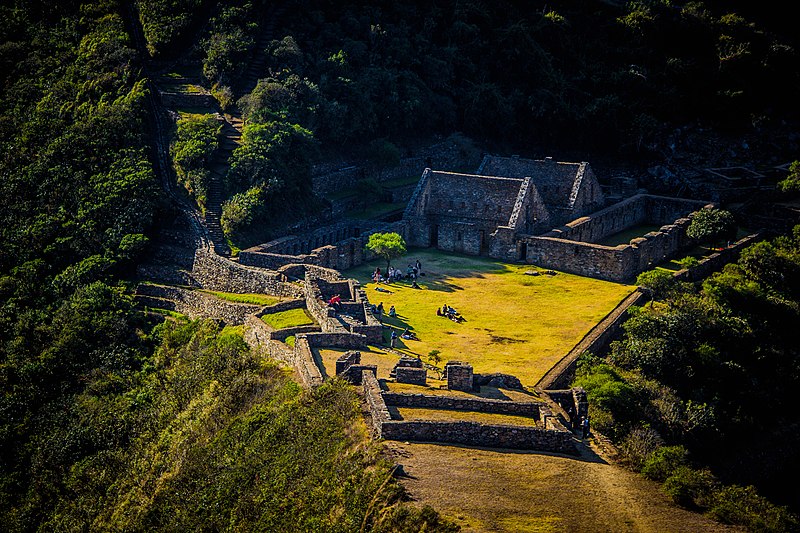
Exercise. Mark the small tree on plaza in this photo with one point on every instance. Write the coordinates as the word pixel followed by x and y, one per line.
pixel 386 245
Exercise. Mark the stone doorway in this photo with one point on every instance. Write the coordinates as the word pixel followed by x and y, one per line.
pixel 434 236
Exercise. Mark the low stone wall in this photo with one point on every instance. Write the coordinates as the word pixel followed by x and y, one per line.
pixel 259 336
pixel 562 374
pixel 282 334
pixel 715 262
pixel 304 363
pixel 639 209
pixel 414 376
pixel 481 405
pixel 195 304
pixel 475 434
pixel 375 404
pixel 218 273
pixel 288 305
pixel 346 360
pixel 469 433
pixel 337 340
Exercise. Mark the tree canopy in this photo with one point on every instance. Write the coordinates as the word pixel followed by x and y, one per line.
pixel 386 245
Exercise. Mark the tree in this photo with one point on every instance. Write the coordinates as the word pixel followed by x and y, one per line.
pixel 656 282
pixel 791 184
pixel 711 225
pixel 386 245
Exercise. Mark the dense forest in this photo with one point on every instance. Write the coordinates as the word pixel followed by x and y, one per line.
pixel 110 421
pixel 700 391
pixel 371 80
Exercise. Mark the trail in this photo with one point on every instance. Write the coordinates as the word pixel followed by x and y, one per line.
pixel 499 490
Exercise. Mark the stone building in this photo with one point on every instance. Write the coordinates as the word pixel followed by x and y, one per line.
pixel 544 212
pixel 461 212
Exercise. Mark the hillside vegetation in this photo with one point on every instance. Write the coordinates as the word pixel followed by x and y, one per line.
pixel 701 389
pixel 107 422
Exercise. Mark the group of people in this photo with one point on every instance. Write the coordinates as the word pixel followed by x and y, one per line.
pixel 449 312
pixel 413 272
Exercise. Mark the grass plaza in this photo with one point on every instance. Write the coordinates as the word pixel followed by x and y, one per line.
pixel 514 322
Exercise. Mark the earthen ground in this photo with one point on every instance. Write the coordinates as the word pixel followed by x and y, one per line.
pixel 493 490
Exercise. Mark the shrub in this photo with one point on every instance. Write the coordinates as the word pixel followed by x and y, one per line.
pixel 639 445
pixel 689 487
pixel 743 505
pixel 663 462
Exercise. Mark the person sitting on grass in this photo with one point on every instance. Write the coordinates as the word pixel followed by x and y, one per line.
pixel 392 312
pixel 408 335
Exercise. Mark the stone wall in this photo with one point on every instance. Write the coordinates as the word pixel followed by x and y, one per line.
pixel 459 376
pixel 454 153
pixel 218 273
pixel 481 405
pixel 288 305
pixel 337 340
pixel 324 247
pixel 415 376
pixel 195 304
pixel 346 360
pixel 303 362
pixel 716 261
pixel 259 336
pixel 563 372
pixel 559 250
pixel 469 433
pixel 375 404
pixel 475 434
pixel 640 209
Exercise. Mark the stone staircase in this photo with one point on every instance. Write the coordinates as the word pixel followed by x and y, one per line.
pixel 256 68
pixel 231 136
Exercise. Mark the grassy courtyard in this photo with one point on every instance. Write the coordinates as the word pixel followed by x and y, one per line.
pixel 514 323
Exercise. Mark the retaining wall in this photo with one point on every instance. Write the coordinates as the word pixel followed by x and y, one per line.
pixel 475 434
pixel 196 304
pixel 218 273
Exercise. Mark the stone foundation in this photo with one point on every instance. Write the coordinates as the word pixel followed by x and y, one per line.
pixel 415 376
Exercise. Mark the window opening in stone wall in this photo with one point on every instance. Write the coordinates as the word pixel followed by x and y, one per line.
pixel 458 236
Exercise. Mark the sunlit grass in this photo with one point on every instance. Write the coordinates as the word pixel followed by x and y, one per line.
pixel 288 319
pixel 254 299
pixel 515 323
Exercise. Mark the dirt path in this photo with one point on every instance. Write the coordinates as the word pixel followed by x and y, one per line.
pixel 499 490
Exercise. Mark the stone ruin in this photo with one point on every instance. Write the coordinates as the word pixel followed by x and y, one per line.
pixel 543 212
pixel 349 367
pixel 459 376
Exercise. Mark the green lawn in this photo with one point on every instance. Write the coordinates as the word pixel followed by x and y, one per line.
pixel 288 319
pixel 255 299
pixel 516 324
pixel 625 236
